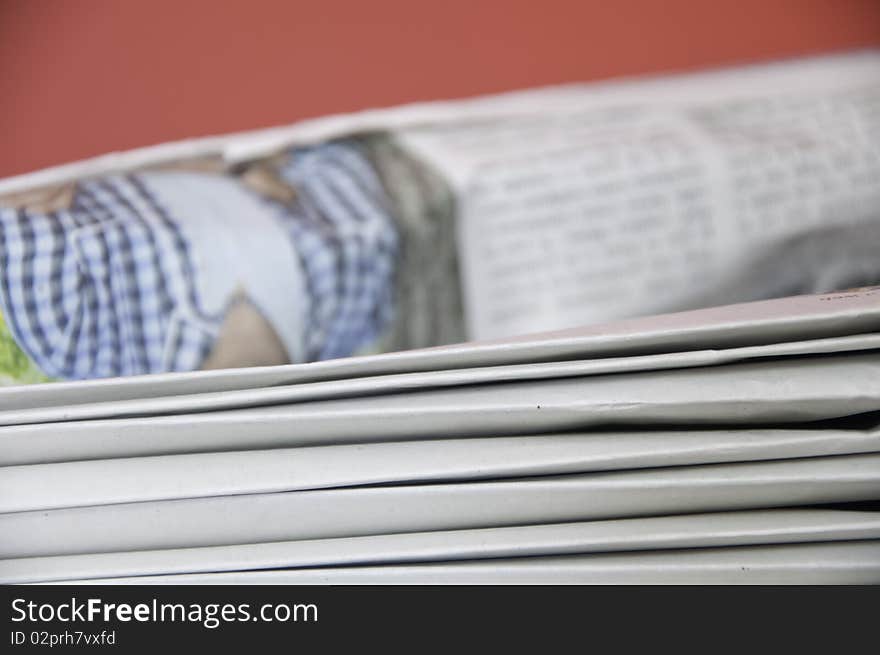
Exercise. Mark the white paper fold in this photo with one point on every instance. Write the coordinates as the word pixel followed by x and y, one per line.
pixel 404 382
pixel 99 482
pixel 856 562
pixel 757 323
pixel 255 518
pixel 791 390
pixel 691 531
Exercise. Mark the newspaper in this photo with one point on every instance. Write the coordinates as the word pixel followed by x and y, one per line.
pixel 136 479
pixel 321 514
pixel 570 206
pixel 793 390
pixel 577 439
pixel 741 325
pixel 626 204
pixel 640 534
pixel 854 562
pixel 401 383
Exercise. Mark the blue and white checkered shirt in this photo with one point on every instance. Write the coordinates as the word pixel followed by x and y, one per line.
pixel 107 287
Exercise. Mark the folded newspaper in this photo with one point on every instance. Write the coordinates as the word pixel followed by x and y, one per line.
pixel 738 444
pixel 483 341
pixel 439 223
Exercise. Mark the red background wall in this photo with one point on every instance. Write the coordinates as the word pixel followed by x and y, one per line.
pixel 79 78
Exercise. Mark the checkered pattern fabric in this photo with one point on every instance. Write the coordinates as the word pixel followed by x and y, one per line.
pixel 106 288
pixel 343 229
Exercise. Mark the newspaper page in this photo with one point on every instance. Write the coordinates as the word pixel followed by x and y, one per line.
pixel 437 223
pixel 626 201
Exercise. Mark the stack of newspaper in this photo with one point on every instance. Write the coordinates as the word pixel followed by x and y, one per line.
pixel 726 445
